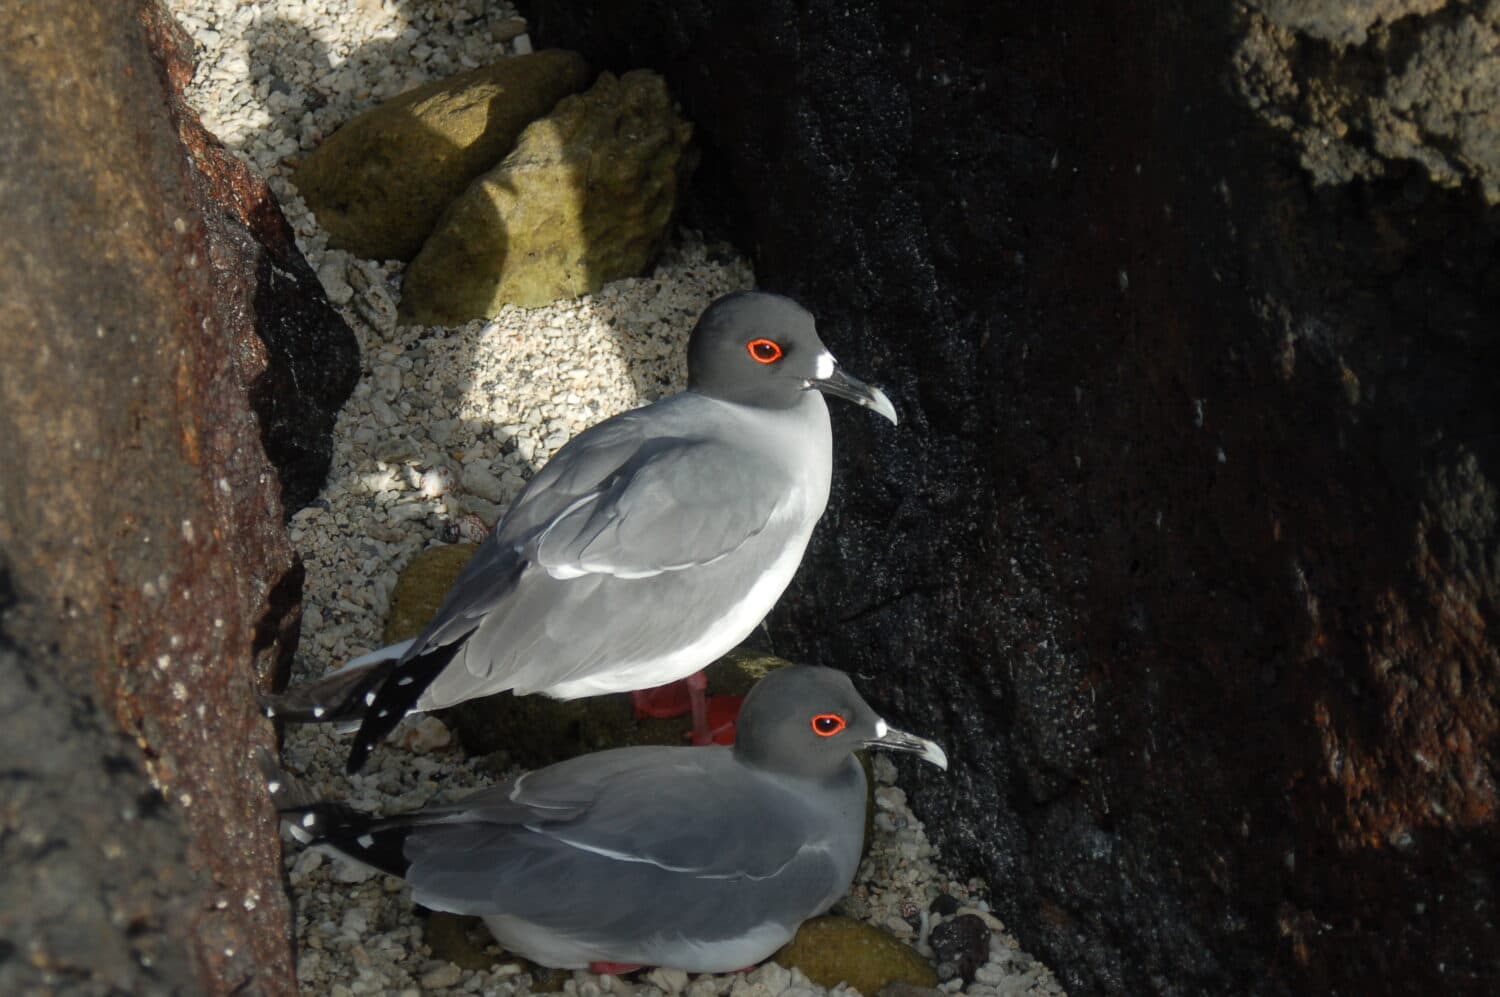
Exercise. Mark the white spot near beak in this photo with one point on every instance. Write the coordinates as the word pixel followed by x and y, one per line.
pixel 881 728
pixel 825 365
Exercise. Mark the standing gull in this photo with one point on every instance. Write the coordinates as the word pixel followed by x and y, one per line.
pixel 647 547
pixel 701 859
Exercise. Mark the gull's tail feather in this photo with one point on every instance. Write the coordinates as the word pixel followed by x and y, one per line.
pixel 393 699
pixel 352 834
pixel 340 697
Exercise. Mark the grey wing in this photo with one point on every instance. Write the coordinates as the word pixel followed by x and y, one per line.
pixel 608 507
pixel 699 845
pixel 636 568
pixel 680 809
pixel 588 462
pixel 677 504
pixel 609 504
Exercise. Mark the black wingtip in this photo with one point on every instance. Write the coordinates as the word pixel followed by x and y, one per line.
pixel 397 695
pixel 338 697
pixel 358 755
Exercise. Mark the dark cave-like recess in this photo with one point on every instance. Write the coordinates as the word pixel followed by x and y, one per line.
pixel 1187 544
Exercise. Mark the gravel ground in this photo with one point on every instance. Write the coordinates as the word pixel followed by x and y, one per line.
pixel 445 427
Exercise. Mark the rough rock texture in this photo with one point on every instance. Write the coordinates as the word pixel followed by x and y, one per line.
pixel 298 358
pixel 76 810
pixel 1364 89
pixel 140 524
pixel 585 198
pixel 1186 546
pixel 381 181
pixel 960 946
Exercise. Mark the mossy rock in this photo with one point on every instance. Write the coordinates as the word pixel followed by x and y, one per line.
pixel 536 731
pixel 832 949
pixel 421 587
pixel 586 197
pixel 461 940
pixel 380 183
pixel 467 943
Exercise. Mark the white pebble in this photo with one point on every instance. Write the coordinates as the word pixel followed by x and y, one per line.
pixel 436 482
pixel 446 975
pixel 773 977
pixel 351 872
pixel 990 973
pixel 478 478
pixel 671 981
pixel 355 922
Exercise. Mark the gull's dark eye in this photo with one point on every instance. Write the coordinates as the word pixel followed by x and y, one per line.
pixel 764 350
pixel 828 724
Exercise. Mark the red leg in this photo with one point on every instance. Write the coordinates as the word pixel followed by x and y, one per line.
pixel 697 684
pixel 670 700
pixel 614 968
pixel 723 711
pixel 713 716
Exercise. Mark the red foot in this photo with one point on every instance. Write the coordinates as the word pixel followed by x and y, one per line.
pixel 713 716
pixel 614 968
pixel 723 711
pixel 663 702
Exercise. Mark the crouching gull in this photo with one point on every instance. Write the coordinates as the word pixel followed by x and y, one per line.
pixel 700 859
pixel 647 547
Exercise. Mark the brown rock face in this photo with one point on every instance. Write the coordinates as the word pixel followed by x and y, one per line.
pixel 1186 545
pixel 152 586
pixel 297 358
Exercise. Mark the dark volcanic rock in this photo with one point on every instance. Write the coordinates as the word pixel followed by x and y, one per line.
pixel 1186 546
pixel 960 946
pixel 140 520
pixel 298 357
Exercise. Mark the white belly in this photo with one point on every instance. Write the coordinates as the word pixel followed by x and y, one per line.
pixel 561 952
pixel 717 639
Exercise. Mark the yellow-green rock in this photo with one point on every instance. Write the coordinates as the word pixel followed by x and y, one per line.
pixel 461 940
pixel 586 197
pixel 380 182
pixel 536 731
pixel 832 949
pixel 420 588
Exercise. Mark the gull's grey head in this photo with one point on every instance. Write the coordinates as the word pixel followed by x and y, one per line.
pixel 806 720
pixel 763 349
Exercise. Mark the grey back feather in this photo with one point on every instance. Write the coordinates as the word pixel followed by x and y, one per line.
pixel 582 844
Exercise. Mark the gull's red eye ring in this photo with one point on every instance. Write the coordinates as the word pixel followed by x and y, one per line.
pixel 828 724
pixel 764 350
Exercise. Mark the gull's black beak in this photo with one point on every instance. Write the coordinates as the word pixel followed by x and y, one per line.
pixel 900 740
pixel 852 389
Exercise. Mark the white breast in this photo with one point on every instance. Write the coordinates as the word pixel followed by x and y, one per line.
pixel 806 427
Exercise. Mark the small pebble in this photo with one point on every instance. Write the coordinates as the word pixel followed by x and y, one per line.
pixel 670 981
pixel 351 872
pixel 478 479
pixel 446 975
